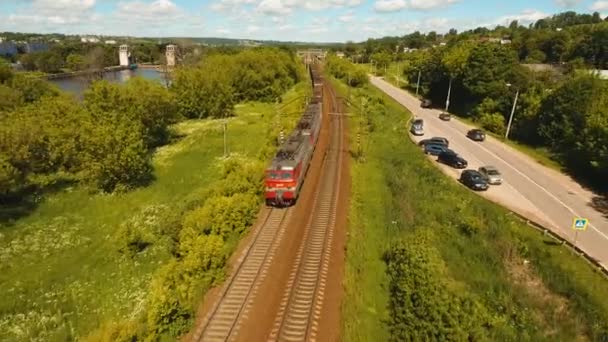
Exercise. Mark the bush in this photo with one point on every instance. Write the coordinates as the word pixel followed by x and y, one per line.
pixel 126 331
pixel 177 286
pixel 493 122
pixel 425 304
pixel 223 215
pixel 144 229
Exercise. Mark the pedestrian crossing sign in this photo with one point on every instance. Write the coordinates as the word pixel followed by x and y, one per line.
pixel 580 223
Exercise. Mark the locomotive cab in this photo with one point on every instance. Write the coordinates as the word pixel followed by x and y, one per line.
pixel 281 186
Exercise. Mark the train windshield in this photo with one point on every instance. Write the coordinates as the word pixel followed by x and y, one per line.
pixel 286 175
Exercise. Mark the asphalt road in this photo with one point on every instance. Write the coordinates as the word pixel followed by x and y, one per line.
pixel 530 189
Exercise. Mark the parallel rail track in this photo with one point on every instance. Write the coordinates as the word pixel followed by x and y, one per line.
pixel 300 308
pixel 222 323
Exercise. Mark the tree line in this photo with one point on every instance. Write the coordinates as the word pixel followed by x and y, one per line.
pixel 561 107
pixel 564 37
pixel 104 142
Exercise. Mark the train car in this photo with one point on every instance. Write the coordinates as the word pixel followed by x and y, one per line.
pixel 287 171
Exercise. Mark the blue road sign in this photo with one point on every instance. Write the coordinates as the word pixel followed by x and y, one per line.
pixel 580 223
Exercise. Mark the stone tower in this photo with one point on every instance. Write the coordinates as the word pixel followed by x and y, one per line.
pixel 123 55
pixel 170 54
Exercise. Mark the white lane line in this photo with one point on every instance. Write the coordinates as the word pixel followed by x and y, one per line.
pixel 526 177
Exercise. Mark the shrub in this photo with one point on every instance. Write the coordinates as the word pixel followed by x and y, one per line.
pixel 125 331
pixel 178 284
pixel 425 304
pixel 493 122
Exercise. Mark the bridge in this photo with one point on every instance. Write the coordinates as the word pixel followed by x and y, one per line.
pixel 312 56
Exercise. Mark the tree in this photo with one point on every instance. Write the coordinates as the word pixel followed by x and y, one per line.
pixel 32 89
pixel 144 101
pixel 5 72
pixel 574 122
pixel 203 92
pixel 9 98
pixel 488 69
pixel 75 62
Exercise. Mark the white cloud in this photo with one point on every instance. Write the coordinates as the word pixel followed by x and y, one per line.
pixel 397 5
pixel 389 5
pixel 275 7
pixel 599 6
pixel 525 17
pixel 347 17
pixel 567 3
pixel 430 4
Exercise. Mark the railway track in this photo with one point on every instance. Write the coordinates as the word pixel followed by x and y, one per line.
pixel 301 305
pixel 222 323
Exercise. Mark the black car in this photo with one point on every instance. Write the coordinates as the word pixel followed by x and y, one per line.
pixel 473 180
pixel 445 116
pixel 434 149
pixel 452 159
pixel 476 134
pixel 426 103
pixel 435 140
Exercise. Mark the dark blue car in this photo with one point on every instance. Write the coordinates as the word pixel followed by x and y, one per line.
pixel 434 149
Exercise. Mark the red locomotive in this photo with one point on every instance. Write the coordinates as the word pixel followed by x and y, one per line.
pixel 285 175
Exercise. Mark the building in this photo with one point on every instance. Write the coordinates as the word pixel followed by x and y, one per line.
pixel 170 55
pixel 123 55
pixel 340 54
pixel 505 41
pixel 110 42
pixel 407 49
pixel 2 39
pixel 8 49
pixel 36 47
pixel 603 74
pixel 89 39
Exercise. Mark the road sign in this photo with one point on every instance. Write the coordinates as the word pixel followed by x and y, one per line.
pixel 580 223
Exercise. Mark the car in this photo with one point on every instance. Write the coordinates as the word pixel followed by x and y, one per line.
pixel 417 127
pixel 452 159
pixel 476 134
pixel 426 103
pixel 474 180
pixel 436 141
pixel 445 116
pixel 434 149
pixel 490 174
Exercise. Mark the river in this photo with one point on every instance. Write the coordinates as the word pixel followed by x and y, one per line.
pixel 77 85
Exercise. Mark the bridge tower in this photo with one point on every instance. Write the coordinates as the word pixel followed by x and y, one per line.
pixel 170 55
pixel 123 55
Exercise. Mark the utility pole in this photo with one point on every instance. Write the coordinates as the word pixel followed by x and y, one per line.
pixel 447 101
pixel 399 75
pixel 512 112
pixel 225 124
pixel 418 83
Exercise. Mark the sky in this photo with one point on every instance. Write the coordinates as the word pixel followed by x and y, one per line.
pixel 285 20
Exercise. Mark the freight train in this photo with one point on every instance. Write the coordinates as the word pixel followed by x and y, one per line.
pixel 287 171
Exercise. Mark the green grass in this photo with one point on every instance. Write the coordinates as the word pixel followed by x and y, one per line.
pixel 61 274
pixel 533 289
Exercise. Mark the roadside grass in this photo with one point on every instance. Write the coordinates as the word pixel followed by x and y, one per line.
pixel 61 272
pixel 527 287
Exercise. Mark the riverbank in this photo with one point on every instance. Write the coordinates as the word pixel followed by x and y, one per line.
pixel 86 72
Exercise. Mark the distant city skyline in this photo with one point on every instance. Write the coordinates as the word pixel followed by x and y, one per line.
pixel 284 20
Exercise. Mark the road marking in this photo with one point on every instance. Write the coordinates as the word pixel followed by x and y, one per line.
pixel 519 172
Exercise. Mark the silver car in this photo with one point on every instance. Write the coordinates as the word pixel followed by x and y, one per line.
pixel 491 174
pixel 417 127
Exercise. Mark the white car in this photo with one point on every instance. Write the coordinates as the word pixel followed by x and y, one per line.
pixel 417 127
pixel 491 174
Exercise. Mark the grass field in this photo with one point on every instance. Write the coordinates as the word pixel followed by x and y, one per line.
pixel 61 274
pixel 528 287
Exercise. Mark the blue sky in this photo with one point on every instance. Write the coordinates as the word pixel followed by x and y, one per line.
pixel 302 20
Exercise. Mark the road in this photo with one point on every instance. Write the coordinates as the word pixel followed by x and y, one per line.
pixel 530 189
